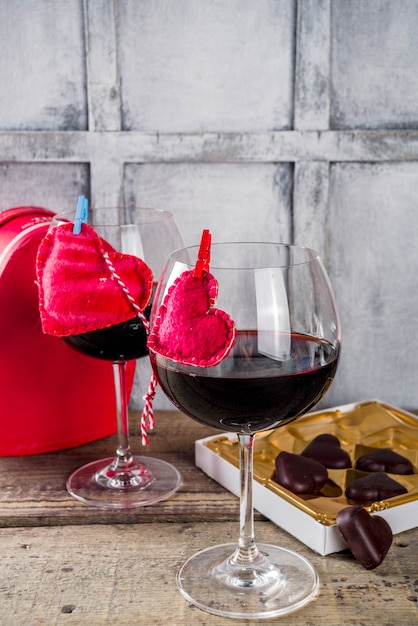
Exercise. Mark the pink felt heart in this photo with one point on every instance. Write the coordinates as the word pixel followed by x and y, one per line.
pixel 79 291
pixel 369 537
pixel 188 329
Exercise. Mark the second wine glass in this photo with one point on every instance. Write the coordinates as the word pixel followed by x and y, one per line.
pixel 126 480
pixel 259 357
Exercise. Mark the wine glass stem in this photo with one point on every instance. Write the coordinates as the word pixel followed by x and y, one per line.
pixel 123 452
pixel 247 550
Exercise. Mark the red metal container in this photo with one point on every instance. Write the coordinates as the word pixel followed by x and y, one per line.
pixel 51 396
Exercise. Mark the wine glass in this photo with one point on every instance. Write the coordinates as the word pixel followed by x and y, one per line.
pixel 284 358
pixel 125 480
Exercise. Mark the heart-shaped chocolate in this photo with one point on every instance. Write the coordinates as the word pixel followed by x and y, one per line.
pixel 326 449
pixel 188 328
pixel 385 460
pixel 78 290
pixel 299 474
pixel 369 537
pixel 374 487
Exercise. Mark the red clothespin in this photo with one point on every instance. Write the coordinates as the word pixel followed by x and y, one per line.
pixel 203 259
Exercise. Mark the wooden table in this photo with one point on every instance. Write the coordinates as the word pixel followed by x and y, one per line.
pixel 62 562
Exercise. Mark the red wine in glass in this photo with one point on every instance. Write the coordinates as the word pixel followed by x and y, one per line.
pixel 249 396
pixel 120 342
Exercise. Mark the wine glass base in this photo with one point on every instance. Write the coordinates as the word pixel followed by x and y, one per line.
pixel 156 481
pixel 285 585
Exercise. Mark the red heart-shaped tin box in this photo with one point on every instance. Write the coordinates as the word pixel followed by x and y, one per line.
pixel 51 396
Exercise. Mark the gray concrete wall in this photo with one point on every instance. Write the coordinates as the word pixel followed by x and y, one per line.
pixel 268 119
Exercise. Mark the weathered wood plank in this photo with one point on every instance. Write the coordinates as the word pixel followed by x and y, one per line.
pixel 221 197
pixel 310 205
pixel 374 47
pixel 372 265
pixel 103 87
pixel 221 66
pixel 106 181
pixel 313 65
pixel 32 488
pixel 50 185
pixel 126 575
pixel 42 66
pixel 281 146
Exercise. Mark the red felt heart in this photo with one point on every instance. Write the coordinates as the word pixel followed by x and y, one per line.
pixel 188 329
pixel 78 291
pixel 369 537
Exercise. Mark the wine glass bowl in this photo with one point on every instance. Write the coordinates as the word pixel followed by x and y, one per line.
pixel 125 480
pixel 283 360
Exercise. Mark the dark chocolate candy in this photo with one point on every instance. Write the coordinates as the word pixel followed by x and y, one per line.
pixel 369 537
pixel 326 449
pixel 299 474
pixel 374 487
pixel 385 460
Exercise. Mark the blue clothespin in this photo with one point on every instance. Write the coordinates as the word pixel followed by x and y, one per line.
pixel 81 214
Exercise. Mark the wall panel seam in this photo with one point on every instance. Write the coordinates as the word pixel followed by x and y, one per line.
pixel 280 146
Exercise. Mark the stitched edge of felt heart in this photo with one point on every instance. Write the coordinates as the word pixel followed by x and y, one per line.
pixel 116 300
pixel 175 337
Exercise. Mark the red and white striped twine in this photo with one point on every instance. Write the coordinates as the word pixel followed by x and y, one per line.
pixel 125 290
pixel 147 416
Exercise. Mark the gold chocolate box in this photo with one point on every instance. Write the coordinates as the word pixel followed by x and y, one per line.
pixel 360 428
